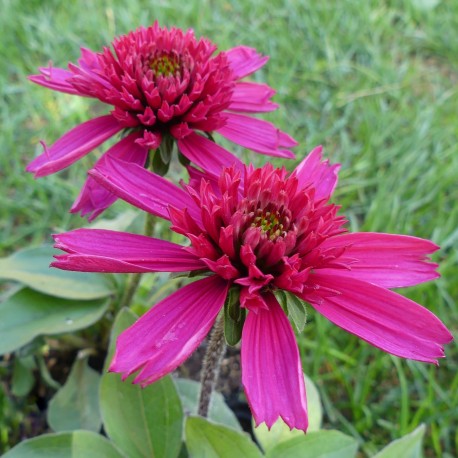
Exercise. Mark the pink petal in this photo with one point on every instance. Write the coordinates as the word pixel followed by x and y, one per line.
pixel 252 97
pixel 94 198
pixel 141 188
pixel 271 368
pixel 257 135
pixel 207 154
pixel 244 60
pixel 56 79
pixel 387 260
pixel 385 319
pixel 168 333
pixel 97 250
pixel 318 173
pixel 74 145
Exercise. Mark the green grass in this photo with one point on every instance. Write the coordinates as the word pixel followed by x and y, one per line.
pixel 374 82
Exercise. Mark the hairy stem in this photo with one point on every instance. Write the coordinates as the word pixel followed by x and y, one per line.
pixel 134 279
pixel 212 363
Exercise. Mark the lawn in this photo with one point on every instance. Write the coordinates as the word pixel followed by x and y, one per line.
pixel 374 82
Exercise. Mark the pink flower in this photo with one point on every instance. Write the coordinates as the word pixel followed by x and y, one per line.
pixel 162 83
pixel 261 232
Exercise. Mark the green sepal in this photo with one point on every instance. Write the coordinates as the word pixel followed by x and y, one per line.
pixel 183 160
pixel 295 308
pixel 158 165
pixel 234 317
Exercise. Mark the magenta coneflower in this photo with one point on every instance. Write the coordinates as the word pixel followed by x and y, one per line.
pixel 259 233
pixel 162 84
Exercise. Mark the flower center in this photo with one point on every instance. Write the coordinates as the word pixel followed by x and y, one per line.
pixel 165 65
pixel 271 223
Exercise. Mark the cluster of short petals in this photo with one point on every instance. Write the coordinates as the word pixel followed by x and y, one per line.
pixel 260 230
pixel 162 82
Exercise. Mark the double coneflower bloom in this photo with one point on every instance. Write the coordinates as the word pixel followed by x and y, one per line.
pixel 257 232
pixel 165 86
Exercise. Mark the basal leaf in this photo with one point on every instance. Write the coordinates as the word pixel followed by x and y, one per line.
pixel 28 314
pixel 218 412
pixel 65 445
pixel 409 446
pixel 76 405
pixel 318 444
pixel 31 268
pixel 206 439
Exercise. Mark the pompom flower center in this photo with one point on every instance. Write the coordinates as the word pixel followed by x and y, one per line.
pixel 272 222
pixel 165 65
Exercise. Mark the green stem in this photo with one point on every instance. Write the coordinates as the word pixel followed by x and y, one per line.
pixel 211 366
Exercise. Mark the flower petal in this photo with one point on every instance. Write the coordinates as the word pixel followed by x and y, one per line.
pixel 74 145
pixel 94 198
pixel 98 250
pixel 252 98
pixel 244 60
pixel 141 188
pixel 387 260
pixel 383 318
pixel 271 368
pixel 207 154
pixel 318 173
pixel 56 79
pixel 168 333
pixel 257 135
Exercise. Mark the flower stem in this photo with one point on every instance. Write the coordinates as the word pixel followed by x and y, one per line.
pixel 212 363
pixel 134 279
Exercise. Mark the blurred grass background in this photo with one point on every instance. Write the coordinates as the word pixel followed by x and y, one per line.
pixel 375 82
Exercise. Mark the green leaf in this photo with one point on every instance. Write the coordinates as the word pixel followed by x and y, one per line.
pixel 234 317
pixel 142 422
pixel 65 445
pixel 31 267
pixel 318 444
pixel 297 310
pixel 219 411
pixel 23 379
pixel 76 405
pixel 205 439
pixel 123 320
pixel 280 431
pixel 27 314
pixel 409 446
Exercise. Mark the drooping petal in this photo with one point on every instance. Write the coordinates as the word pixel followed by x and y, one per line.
pixel 318 173
pixel 141 188
pixel 74 145
pixel 244 60
pixel 383 318
pixel 207 154
pixel 56 79
pixel 252 98
pixel 257 135
pixel 97 250
pixel 168 333
pixel 94 198
pixel 271 368
pixel 388 260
